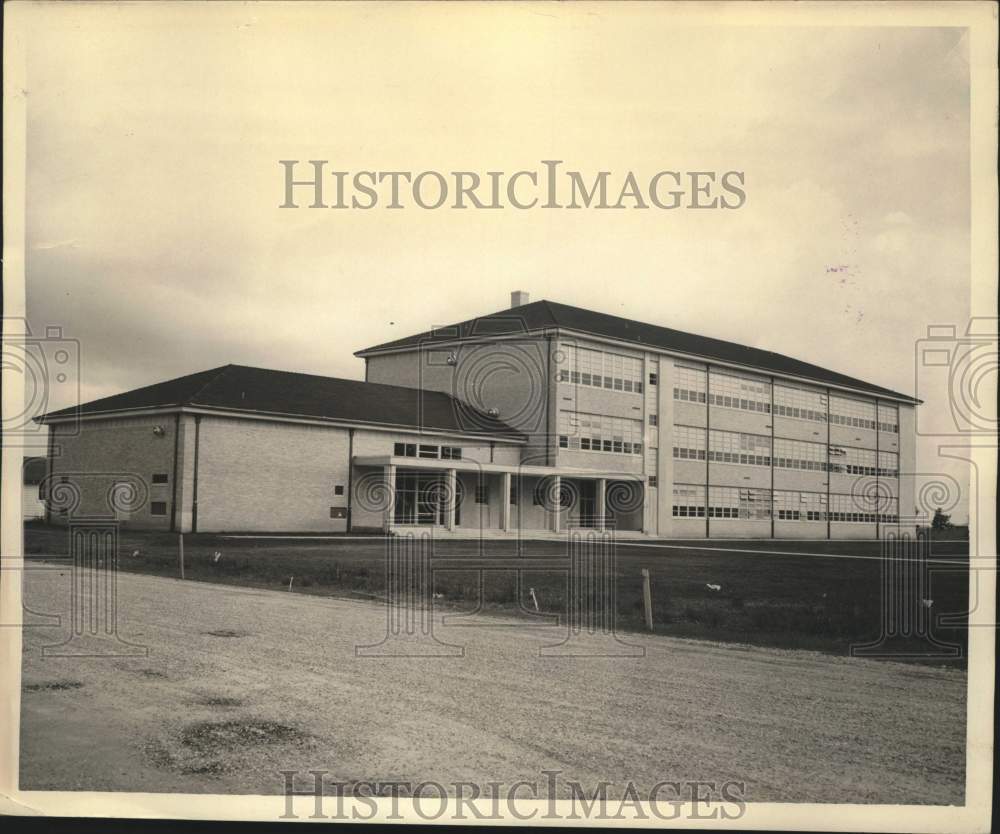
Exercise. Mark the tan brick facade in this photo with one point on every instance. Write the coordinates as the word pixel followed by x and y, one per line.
pixel 116 450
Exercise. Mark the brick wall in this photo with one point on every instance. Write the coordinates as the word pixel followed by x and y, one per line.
pixel 510 375
pixel 105 452
pixel 255 475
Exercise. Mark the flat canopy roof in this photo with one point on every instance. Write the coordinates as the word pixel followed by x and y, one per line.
pixel 465 465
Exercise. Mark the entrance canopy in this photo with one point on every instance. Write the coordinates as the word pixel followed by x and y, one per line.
pixel 462 465
pixel 429 491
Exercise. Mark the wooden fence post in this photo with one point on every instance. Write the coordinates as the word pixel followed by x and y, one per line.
pixel 647 599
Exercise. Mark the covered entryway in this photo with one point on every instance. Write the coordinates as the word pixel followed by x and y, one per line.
pixel 623 504
pixel 603 503
pixel 425 498
pixel 396 491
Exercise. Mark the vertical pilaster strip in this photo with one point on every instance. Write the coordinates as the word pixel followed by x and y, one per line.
pixel 772 457
pixel 708 446
pixel 505 501
pixel 390 485
pixel 176 474
pixel 50 471
pixel 829 469
pixel 550 392
pixel 350 471
pixel 557 511
pixel 194 483
pixel 452 493
pixel 878 467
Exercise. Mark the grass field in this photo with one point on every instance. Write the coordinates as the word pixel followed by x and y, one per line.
pixel 768 595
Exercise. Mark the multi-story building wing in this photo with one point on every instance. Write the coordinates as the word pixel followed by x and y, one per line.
pixel 535 418
pixel 708 437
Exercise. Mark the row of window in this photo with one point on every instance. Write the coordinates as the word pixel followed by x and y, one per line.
pixel 600 433
pixel 751 394
pixel 596 444
pixel 689 384
pixel 863 461
pixel 695 501
pixel 425 450
pixel 159 508
pixel 420 488
pixel 744 393
pixel 727 390
pixel 601 369
pixel 755 450
pixel 800 404
pixel 734 447
pixel 852 413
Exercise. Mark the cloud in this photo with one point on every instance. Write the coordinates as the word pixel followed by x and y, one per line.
pixel 155 237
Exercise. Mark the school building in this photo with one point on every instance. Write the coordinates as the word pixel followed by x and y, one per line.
pixel 526 421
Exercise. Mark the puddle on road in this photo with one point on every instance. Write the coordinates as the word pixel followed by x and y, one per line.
pixel 216 747
pixel 223 736
pixel 52 686
pixel 220 701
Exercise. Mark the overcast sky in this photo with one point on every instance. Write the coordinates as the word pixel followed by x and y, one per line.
pixel 155 237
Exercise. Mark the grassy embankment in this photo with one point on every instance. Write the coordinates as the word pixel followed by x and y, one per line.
pixel 787 601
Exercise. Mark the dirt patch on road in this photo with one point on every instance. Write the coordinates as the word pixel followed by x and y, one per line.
pixel 216 747
pixel 220 701
pixel 52 686
pixel 209 737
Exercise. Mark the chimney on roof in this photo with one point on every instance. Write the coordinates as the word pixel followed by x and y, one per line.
pixel 518 298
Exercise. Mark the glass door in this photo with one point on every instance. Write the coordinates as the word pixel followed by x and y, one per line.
pixel 422 498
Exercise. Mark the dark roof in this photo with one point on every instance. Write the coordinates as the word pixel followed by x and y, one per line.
pixel 262 391
pixel 543 315
pixel 34 470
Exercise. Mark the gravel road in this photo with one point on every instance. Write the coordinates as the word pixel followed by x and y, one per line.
pixel 239 684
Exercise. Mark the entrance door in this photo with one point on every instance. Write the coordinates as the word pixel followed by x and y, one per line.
pixel 588 503
pixel 422 498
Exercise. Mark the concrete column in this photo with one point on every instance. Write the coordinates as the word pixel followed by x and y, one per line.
pixel 649 518
pixel 505 500
pixel 390 487
pixel 600 501
pixel 452 493
pixel 557 513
